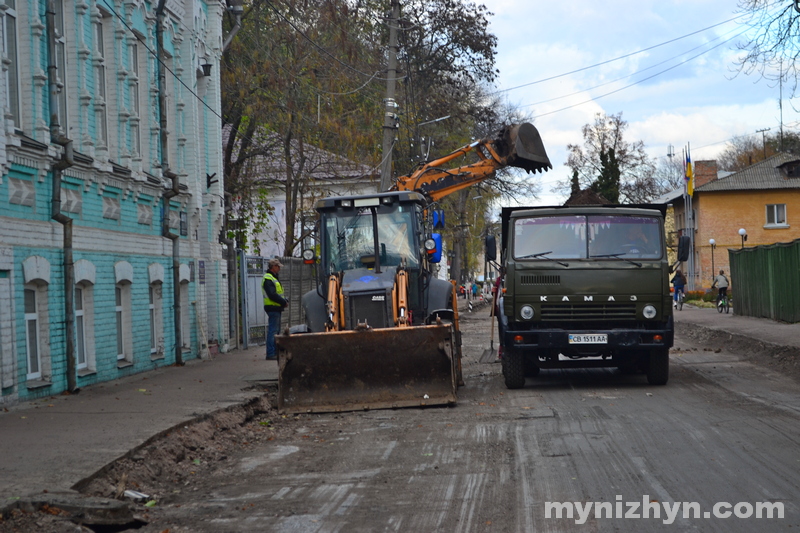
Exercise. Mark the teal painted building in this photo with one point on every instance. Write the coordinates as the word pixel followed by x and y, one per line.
pixel 110 191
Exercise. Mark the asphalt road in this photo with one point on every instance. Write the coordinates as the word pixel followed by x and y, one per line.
pixel 722 433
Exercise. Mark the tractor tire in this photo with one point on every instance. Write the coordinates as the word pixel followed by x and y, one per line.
pixel 513 369
pixel 658 367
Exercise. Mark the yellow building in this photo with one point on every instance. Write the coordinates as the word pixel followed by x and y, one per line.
pixel 758 205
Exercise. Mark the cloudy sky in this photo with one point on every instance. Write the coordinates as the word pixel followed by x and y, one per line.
pixel 694 94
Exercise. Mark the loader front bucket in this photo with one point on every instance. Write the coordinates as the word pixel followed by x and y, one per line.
pixel 368 369
pixel 526 148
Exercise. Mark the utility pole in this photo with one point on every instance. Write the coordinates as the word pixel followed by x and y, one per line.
pixel 764 139
pixel 390 119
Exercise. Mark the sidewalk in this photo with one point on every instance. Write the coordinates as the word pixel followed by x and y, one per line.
pixel 53 443
pixel 739 328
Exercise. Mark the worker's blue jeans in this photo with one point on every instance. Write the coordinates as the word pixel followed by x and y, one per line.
pixel 274 319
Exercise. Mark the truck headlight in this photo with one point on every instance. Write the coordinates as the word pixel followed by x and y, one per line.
pixel 526 312
pixel 430 245
pixel 649 311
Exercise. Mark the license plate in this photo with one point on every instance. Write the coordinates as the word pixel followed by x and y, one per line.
pixel 588 338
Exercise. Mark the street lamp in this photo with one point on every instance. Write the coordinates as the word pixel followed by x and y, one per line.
pixel 743 233
pixel 713 244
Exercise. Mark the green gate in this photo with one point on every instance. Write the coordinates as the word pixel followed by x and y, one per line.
pixel 766 281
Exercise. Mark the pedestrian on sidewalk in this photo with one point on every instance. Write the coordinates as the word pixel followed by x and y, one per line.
pixel 274 304
pixel 721 282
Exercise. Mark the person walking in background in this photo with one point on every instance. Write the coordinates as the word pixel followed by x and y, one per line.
pixel 721 282
pixel 679 283
pixel 274 304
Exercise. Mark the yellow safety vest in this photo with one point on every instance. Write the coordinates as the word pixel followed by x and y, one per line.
pixel 278 288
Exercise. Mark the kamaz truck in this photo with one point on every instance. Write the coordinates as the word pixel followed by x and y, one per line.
pixel 584 287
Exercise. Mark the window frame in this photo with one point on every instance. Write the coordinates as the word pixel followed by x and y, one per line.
pixel 81 358
pixel 119 313
pixel 135 96
pixel 101 83
pixel 10 45
pixel 32 320
pixel 773 211
pixel 61 68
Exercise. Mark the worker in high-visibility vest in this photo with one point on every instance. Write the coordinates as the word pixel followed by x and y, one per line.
pixel 274 304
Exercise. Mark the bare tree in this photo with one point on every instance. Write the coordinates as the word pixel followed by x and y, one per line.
pixel 773 48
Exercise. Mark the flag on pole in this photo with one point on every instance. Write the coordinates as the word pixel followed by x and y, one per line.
pixel 689 176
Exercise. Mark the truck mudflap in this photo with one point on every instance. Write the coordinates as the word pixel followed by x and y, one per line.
pixel 366 369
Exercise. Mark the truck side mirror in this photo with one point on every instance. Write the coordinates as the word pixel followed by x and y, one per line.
pixel 684 247
pixel 491 248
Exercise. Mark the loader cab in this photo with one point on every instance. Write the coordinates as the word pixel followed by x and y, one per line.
pixel 366 238
pixel 353 238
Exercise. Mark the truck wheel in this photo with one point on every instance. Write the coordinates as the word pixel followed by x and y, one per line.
pixel 658 367
pixel 513 369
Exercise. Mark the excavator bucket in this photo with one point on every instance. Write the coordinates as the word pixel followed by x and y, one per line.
pixel 526 148
pixel 367 369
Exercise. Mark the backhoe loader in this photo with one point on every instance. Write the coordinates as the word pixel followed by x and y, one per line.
pixel 381 331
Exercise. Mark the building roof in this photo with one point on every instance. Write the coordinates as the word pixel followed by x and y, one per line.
pixel 768 174
pixel 669 197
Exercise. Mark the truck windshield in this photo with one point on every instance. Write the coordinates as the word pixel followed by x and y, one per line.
pixel 565 237
pixel 350 243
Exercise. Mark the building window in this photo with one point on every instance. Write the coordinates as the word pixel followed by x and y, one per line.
pixel 80 330
pixel 122 309
pixel 186 340
pixel 32 334
pixel 84 328
pixel 776 215
pixel 120 323
pixel 101 95
pixel 136 139
pixel 153 333
pixel 10 58
pixel 61 66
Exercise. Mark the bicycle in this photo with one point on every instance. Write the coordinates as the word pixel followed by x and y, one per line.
pixel 679 301
pixel 723 304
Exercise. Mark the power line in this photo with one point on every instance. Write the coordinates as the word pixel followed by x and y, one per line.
pixel 642 80
pixel 629 75
pixel 618 58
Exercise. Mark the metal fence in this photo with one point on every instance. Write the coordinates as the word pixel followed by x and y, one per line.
pixel 296 277
pixel 766 281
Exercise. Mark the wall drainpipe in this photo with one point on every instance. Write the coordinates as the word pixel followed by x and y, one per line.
pixel 66 160
pixel 174 190
pixel 237 10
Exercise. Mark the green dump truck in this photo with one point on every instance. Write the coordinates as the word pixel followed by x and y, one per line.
pixel 585 287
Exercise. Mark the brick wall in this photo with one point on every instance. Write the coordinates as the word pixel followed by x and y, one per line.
pixel 721 214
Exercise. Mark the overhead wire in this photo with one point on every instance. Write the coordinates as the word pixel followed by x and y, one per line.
pixel 561 97
pixel 550 78
pixel 639 81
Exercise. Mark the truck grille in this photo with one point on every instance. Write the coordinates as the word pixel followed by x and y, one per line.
pixel 595 311
pixel 366 308
pixel 540 280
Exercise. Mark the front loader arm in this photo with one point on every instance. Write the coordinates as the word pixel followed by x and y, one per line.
pixel 517 145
